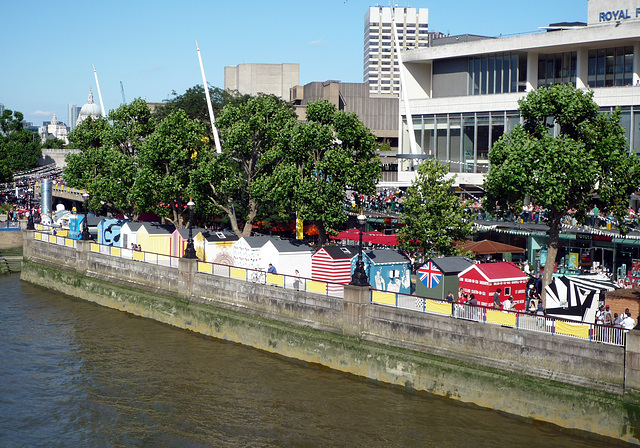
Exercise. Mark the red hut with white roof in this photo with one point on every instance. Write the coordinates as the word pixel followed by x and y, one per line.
pixel 484 279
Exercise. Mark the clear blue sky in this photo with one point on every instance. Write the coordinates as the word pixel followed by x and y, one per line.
pixel 49 47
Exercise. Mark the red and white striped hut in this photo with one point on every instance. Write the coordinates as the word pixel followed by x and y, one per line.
pixel 484 279
pixel 333 264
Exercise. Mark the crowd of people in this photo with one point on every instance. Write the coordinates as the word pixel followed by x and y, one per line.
pixel 624 320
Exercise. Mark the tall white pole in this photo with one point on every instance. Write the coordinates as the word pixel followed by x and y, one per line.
pixel 206 92
pixel 99 91
pixel 403 87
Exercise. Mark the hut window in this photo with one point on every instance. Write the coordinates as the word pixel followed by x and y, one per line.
pixel 345 250
pixel 507 291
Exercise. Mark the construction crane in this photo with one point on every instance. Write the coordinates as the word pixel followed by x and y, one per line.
pixel 122 90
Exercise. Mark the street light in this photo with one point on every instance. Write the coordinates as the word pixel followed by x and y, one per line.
pixel 190 251
pixel 359 277
pixel 30 225
pixel 85 230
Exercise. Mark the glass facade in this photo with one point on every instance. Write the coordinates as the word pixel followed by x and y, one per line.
pixel 610 67
pixel 558 68
pixel 497 73
pixel 463 141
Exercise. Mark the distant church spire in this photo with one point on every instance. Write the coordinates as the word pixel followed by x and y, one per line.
pixel 90 101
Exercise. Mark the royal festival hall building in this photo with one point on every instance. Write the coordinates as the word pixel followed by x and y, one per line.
pixel 463 90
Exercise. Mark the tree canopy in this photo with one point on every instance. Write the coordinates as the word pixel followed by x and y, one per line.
pixel 433 216
pixel 586 158
pixel 237 182
pixel 329 153
pixel 20 149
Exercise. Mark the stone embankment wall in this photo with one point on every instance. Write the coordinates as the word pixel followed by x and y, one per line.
pixel 569 382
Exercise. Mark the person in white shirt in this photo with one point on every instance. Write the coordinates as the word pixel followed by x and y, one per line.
pixel 507 304
pixel 628 322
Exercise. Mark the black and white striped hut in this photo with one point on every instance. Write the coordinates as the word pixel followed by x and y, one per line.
pixel 577 297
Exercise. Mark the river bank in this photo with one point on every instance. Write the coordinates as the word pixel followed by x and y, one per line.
pixel 574 384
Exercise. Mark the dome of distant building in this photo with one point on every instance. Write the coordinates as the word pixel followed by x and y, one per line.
pixel 90 109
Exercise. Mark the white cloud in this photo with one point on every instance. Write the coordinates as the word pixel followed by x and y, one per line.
pixel 42 112
pixel 315 42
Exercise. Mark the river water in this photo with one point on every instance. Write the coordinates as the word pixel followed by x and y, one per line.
pixel 74 374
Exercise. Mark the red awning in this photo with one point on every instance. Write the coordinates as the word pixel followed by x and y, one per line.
pixel 373 237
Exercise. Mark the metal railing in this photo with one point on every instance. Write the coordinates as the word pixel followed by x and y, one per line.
pixel 603 334
pixel 43 233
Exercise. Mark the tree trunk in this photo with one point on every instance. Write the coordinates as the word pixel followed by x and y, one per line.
pixel 253 212
pixel 322 233
pixel 552 252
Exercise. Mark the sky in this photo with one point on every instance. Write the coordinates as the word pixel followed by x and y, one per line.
pixel 149 45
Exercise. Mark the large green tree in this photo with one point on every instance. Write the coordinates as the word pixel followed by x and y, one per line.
pixel 329 153
pixel 194 103
pixel 587 157
pixel 19 149
pixel 107 165
pixel 238 181
pixel 165 162
pixel 434 218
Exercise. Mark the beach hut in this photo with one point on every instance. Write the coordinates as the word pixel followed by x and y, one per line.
pixel 484 279
pixel 109 231
pixel 219 247
pixel 288 255
pixel 129 234
pixel 388 270
pixel 247 252
pixel 76 226
pixel 333 264
pixel 180 237
pixel 577 297
pixel 154 237
pixel 437 276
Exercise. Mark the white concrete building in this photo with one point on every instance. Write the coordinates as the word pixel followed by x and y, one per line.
pixel 380 59
pixel 53 129
pixel 463 96
pixel 253 79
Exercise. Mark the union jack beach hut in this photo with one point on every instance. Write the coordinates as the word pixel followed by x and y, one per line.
pixel 484 279
pixel 438 276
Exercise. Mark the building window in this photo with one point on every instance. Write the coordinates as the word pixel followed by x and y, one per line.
pixel 611 67
pixel 557 68
pixel 497 73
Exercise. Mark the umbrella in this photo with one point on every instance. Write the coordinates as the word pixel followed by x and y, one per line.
pixel 486 247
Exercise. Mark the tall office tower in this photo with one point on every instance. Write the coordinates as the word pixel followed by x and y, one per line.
pixel 381 69
pixel 1 108
pixel 73 111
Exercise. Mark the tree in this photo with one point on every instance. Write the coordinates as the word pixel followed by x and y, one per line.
pixel 252 135
pixel 107 164
pixel 330 153
pixel 19 149
pixel 587 158
pixel 434 218
pixel 194 103
pixel 165 163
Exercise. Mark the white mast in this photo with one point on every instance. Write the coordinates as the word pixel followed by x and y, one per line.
pixel 206 92
pixel 405 95
pixel 99 91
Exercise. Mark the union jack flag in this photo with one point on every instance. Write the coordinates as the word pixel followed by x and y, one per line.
pixel 430 275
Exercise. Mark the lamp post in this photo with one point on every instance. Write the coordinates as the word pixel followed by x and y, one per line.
pixel 85 230
pixel 190 251
pixel 30 225
pixel 359 277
